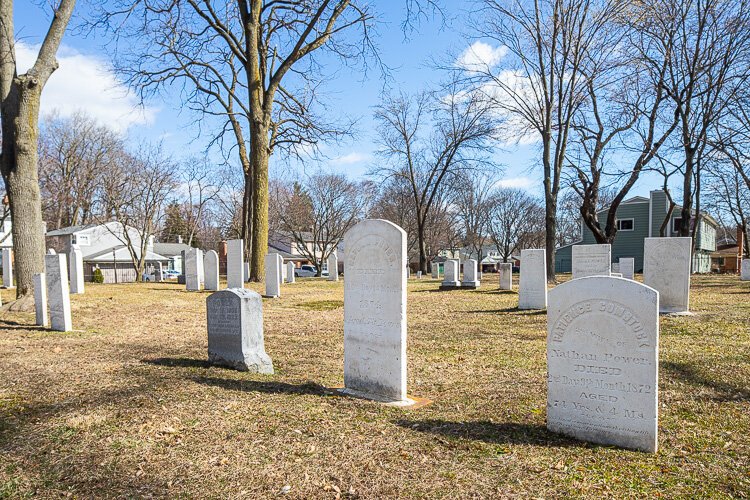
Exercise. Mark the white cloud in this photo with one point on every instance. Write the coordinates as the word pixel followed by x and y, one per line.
pixel 87 83
pixel 516 182
pixel 351 158
pixel 481 56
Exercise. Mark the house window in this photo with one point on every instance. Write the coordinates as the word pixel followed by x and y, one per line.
pixel 625 224
pixel 676 222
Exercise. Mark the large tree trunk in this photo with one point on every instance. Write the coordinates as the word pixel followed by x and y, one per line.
pixel 246 218
pixel 259 161
pixel 20 127
pixel 687 192
pixel 422 246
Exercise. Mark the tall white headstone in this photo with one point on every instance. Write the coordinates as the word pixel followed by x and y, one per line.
pixel 211 270
pixel 591 260
pixel 282 271
pixel 40 299
pixel 76 270
pixel 471 279
pixel 450 274
pixel 235 330
pixel 158 272
pixel 192 269
pixel 666 268
pixel 505 271
pixel 375 312
pixel 333 267
pixel 201 270
pixel 290 268
pixel 532 282
pixel 8 267
pixel 602 362
pixel 235 264
pixel 627 267
pixel 58 293
pixel 273 275
pixel 745 271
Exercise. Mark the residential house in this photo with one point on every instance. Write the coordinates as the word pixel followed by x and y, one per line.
pixel 729 254
pixel 292 250
pixel 639 218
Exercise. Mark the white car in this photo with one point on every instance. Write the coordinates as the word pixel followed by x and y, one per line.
pixel 306 272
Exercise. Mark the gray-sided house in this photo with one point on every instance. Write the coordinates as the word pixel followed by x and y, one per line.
pixel 103 247
pixel 173 253
pixel 639 218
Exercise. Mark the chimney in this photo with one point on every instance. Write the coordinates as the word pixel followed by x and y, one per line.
pixel 179 238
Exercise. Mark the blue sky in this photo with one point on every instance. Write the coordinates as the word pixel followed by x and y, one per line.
pixel 85 81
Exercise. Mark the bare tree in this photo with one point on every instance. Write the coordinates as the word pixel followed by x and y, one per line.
pixel 473 202
pixel 463 126
pixel 729 199
pixel 20 97
pixel 516 217
pixel 202 184
pixel 316 215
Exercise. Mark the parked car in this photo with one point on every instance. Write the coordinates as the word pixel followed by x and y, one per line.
pixel 305 271
pixel 171 274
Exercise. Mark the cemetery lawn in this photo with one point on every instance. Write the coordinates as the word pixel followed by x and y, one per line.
pixel 126 406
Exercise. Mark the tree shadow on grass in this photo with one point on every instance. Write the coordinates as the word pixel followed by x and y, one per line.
pixel 7 324
pixel 490 432
pixel 688 372
pixel 497 292
pixel 267 387
pixel 181 362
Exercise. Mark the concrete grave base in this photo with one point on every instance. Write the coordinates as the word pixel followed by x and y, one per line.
pixel 452 285
pixel 473 285
pixel 253 364
pixel 409 402
pixel 676 313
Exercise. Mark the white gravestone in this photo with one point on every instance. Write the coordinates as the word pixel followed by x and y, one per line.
pixel 450 274
pixel 40 299
pixel 201 269
pixel 666 268
pixel 76 270
pixel 159 272
pixel 282 271
pixel 273 275
pixel 290 268
pixel 532 281
pixel 235 331
pixel 375 312
pixel 419 275
pixel 235 265
pixel 51 251
pixel 602 362
pixel 247 271
pixel 615 268
pixel 471 279
pixel 211 270
pixel 333 267
pixel 627 267
pixel 745 270
pixel 435 270
pixel 505 271
pixel 192 270
pixel 591 260
pixel 58 293
pixel 7 267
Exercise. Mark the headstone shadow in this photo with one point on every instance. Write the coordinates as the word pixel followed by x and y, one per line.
pixel 181 362
pixel 689 373
pixel 10 325
pixel 525 312
pixel 267 387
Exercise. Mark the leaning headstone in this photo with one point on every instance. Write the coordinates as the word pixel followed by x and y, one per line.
pixel 532 282
pixel 76 270
pixel 450 275
pixel 58 293
pixel 602 362
pixel 192 270
pixel 7 268
pixel 235 330
pixel 745 271
pixel 591 260
pixel 471 280
pixel 273 275
pixel 505 271
pixel 211 270
pixel 235 264
pixel 627 267
pixel 290 268
pixel 40 299
pixel 435 270
pixel 666 268
pixel 375 312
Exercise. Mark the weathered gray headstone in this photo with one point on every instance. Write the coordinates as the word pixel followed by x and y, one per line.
pixel 8 268
pixel 290 268
pixel 58 293
pixel 247 271
pixel 273 275
pixel 76 270
pixel 375 312
pixel 745 271
pixel 615 267
pixel 192 269
pixel 602 362
pixel 532 282
pixel 235 265
pixel 627 267
pixel 471 280
pixel 450 274
pixel 40 299
pixel 591 260
pixel 333 267
pixel 235 330
pixel 435 270
pixel 505 271
pixel 666 268
pixel 211 270
pixel 158 272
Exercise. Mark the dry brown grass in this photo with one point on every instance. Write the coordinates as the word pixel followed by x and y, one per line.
pixel 127 407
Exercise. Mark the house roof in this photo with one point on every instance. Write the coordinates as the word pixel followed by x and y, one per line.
pixel 285 255
pixel 170 249
pixel 63 231
pixel 121 254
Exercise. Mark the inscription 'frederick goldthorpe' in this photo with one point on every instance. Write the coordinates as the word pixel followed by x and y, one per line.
pixel 602 359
